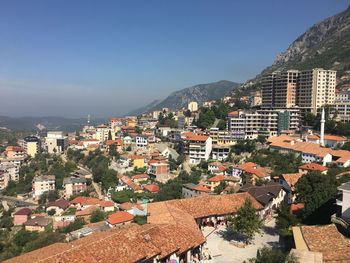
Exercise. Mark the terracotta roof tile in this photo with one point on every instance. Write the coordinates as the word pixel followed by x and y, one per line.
pixel 313 167
pixel 153 188
pixel 119 217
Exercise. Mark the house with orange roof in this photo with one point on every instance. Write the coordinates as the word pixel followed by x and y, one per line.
pixel 151 188
pixel 309 152
pixel 312 167
pixel 329 140
pixel 138 178
pixel 83 202
pixel 119 219
pixel 252 170
pixel 288 182
pixel 197 147
pixel 215 181
pixel 15 152
pixel 153 241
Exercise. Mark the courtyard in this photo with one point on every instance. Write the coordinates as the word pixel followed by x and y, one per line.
pixel 222 251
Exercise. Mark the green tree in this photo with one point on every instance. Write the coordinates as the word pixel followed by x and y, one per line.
pixel 141 220
pixel 285 219
pixel 109 135
pixel 44 239
pixel 318 193
pixel 270 255
pixel 246 222
pixel 51 212
pixel 77 224
pixel 97 216
pixel 221 125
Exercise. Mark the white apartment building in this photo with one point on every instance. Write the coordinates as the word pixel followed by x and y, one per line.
pixel 56 142
pixel 197 147
pixel 192 106
pixel 102 132
pixel 267 122
pixel 220 152
pixel 308 89
pixel 42 184
pixel 344 201
pixel 8 173
pixel 141 141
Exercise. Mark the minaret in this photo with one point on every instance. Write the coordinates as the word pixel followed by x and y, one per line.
pixel 322 128
pixel 88 119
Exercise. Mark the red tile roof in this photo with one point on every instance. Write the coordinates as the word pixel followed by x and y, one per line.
pixel 292 179
pixel 87 211
pixel 106 204
pixel 140 176
pixel 217 178
pixel 128 206
pixel 119 217
pixel 313 167
pixel 327 240
pixel 252 168
pixel 202 206
pixel 153 188
pixel 190 136
pixel 23 212
pixel 201 188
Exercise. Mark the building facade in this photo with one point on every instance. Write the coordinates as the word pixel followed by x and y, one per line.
pixel 308 89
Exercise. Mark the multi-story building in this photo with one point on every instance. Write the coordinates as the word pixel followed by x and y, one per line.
pixel 197 147
pixel 342 105
pixel 73 186
pixel 268 122
pixel 141 141
pixel 8 173
pixel 160 171
pixel 42 184
pixel 31 145
pixel 192 106
pixel 344 201
pixel 220 152
pixel 56 142
pixel 225 138
pixel 316 89
pixel 308 89
pixel 15 152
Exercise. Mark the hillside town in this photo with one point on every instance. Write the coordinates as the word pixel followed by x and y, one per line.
pixel 230 179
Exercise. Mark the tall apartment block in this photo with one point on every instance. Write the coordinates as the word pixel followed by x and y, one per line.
pixel 266 122
pixel 309 89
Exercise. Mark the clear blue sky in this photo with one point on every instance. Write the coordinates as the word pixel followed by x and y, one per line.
pixel 104 58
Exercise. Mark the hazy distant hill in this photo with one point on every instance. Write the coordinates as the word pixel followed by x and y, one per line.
pixel 199 93
pixel 46 123
pixel 326 44
pixel 144 108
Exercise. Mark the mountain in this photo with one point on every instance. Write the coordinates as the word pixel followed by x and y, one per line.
pixel 146 108
pixel 198 93
pixel 45 123
pixel 324 45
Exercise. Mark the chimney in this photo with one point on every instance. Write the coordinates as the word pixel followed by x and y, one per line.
pixel 322 128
